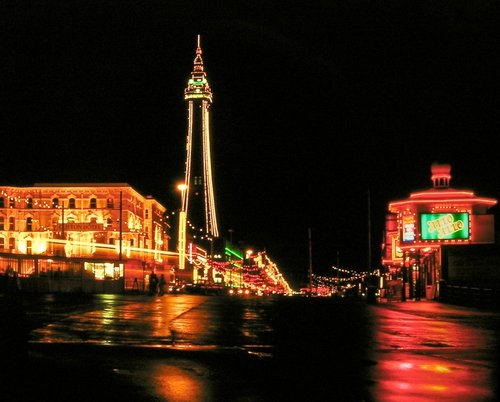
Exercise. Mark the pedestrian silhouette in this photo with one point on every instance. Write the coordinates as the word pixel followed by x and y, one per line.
pixel 153 283
pixel 161 285
pixel 135 285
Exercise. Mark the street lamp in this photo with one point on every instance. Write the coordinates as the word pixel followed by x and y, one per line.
pixel 182 227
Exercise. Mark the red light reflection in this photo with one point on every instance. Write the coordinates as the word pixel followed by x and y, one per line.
pixel 409 377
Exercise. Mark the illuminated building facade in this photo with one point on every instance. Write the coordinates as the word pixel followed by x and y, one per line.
pixel 104 232
pixel 198 200
pixel 422 231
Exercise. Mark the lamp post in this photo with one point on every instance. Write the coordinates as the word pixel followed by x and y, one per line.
pixel 230 256
pixel 182 227
pixel 310 263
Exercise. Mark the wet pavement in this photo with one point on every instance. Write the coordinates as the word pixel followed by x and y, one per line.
pixel 222 348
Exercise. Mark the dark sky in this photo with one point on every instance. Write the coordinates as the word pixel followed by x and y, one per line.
pixel 316 103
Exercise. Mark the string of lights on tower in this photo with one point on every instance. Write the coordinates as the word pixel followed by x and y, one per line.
pixel 198 199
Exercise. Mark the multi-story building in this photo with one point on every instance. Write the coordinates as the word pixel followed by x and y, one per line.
pixel 104 232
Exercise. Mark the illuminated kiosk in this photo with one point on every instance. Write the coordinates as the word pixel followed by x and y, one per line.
pixel 200 228
pixel 424 230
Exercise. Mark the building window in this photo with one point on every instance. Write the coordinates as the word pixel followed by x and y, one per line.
pixel 29 203
pixel 29 246
pixel 12 223
pixel 12 203
pixel 93 203
pixel 2 202
pixel 109 222
pixel 111 240
pixel 2 223
pixel 147 213
pixel 55 202
pixel 72 203
pixel 29 224
pixel 2 243
pixel 110 203
pixel 12 243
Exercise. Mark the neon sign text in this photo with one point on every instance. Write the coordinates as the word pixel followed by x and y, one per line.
pixel 445 226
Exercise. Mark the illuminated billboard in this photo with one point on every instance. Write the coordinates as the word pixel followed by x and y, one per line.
pixel 408 228
pixel 448 226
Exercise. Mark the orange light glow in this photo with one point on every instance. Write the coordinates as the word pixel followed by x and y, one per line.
pixel 182 383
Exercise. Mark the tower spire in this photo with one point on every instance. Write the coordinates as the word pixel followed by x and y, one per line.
pixel 198 86
pixel 198 61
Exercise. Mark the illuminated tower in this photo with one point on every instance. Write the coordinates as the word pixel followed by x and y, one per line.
pixel 198 201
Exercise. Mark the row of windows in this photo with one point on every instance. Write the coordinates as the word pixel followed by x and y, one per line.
pixel 12 243
pixel 29 243
pixel 110 204
pixel 29 223
pixel 12 223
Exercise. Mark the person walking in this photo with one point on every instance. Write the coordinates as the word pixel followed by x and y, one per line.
pixel 153 283
pixel 161 285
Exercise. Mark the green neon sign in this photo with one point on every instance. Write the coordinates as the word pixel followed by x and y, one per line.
pixel 230 251
pixel 448 226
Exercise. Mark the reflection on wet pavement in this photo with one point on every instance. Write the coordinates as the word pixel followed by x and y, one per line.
pixel 140 320
pixel 183 382
pixel 352 351
pixel 409 377
pixel 420 358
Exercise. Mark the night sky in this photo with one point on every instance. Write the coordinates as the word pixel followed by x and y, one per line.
pixel 316 105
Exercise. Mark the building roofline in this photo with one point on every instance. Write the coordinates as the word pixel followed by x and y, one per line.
pixel 82 185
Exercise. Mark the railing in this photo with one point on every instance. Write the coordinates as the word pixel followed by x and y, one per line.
pixel 472 296
pixel 70 284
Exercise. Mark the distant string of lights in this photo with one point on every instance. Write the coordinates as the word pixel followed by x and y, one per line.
pixel 340 277
pixel 196 233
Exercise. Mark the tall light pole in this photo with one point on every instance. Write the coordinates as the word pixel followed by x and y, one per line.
pixel 182 228
pixel 121 227
pixel 310 262
pixel 369 234
pixel 338 267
